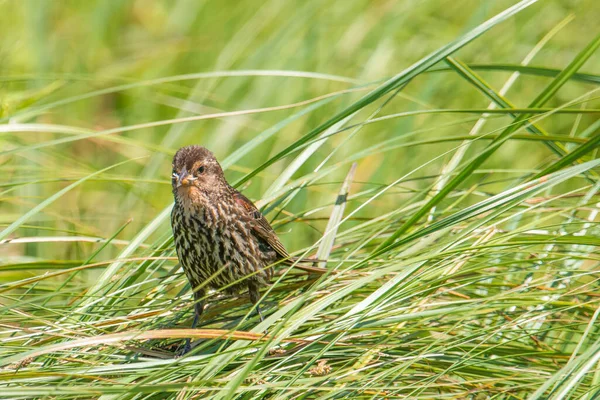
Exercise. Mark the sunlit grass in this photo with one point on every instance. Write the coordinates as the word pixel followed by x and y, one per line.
pixel 444 162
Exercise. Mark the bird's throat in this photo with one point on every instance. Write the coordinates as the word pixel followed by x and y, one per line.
pixel 187 197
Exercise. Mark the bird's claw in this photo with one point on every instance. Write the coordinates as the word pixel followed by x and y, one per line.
pixel 187 347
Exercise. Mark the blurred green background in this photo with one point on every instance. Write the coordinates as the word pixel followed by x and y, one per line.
pixel 57 57
pixel 96 97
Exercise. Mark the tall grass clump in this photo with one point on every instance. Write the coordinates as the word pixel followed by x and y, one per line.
pixel 442 157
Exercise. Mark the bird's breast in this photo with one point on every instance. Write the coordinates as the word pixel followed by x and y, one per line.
pixel 210 242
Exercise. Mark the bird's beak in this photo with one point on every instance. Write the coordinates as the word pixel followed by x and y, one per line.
pixel 183 179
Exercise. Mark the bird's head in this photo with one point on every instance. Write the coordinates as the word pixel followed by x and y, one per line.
pixel 196 174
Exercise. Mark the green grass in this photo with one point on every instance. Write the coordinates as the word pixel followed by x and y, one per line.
pixel 441 155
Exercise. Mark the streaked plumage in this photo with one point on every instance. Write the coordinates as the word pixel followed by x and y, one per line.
pixel 222 240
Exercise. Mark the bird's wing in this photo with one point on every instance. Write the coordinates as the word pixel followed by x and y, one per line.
pixel 260 226
pixel 262 229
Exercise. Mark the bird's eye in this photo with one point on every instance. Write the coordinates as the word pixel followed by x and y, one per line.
pixel 200 170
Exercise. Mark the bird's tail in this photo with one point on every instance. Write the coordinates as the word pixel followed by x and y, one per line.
pixel 298 262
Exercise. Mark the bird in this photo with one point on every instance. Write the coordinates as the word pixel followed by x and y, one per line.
pixel 221 238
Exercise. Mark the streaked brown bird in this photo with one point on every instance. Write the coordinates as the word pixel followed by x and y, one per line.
pixel 222 239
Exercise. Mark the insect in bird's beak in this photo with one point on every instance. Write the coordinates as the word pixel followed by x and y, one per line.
pixel 184 179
